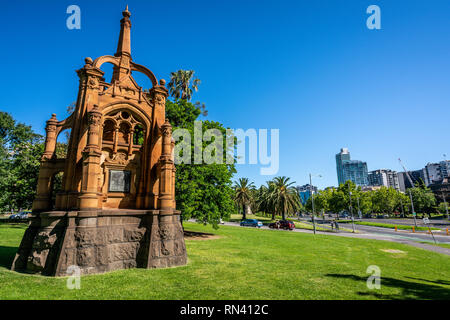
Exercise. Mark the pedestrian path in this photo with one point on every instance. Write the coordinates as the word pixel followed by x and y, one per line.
pixel 399 239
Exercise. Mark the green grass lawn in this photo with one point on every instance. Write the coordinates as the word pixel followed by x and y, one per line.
pixel 246 263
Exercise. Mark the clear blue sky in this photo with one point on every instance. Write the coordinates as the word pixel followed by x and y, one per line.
pixel 309 68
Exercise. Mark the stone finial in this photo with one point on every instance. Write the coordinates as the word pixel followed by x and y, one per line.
pixel 88 60
pixel 126 13
pixel 52 122
pixel 162 82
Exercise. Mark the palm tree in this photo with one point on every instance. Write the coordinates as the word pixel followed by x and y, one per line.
pixel 264 200
pixel 282 197
pixel 182 84
pixel 243 194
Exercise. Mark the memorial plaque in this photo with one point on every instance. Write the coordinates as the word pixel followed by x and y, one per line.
pixel 119 181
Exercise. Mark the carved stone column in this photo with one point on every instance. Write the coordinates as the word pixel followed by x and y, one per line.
pixel 91 163
pixel 159 94
pixel 173 174
pixel 42 200
pixel 50 139
pixel 166 168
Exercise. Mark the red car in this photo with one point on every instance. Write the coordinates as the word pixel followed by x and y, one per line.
pixel 282 224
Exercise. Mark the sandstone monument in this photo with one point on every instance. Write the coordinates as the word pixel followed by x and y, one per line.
pixel 116 209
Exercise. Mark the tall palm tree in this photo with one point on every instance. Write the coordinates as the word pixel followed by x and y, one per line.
pixel 282 197
pixel 182 84
pixel 264 200
pixel 243 194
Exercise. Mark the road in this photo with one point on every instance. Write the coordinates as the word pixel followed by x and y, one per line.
pixel 440 236
pixel 436 223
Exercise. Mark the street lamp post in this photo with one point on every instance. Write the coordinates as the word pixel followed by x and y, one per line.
pixel 351 211
pixel 412 208
pixel 401 204
pixel 443 194
pixel 312 200
pixel 359 211
pixel 445 202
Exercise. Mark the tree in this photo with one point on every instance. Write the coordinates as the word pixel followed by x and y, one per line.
pixel 340 197
pixel 263 200
pixel 203 191
pixel 385 200
pixel 338 201
pixel 423 198
pixel 443 207
pixel 282 197
pixel 322 200
pixel 402 203
pixel 20 153
pixel 182 84
pixel 243 194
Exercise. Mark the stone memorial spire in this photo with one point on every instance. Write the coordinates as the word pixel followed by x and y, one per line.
pixel 116 206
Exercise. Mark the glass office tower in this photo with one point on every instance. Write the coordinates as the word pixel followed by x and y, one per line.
pixel 353 170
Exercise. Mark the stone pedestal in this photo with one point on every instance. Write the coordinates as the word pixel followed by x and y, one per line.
pixel 101 241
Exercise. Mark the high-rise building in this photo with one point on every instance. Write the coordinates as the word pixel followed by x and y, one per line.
pixel 305 192
pixel 441 190
pixel 415 175
pixel 342 156
pixel 436 171
pixel 353 170
pixel 384 177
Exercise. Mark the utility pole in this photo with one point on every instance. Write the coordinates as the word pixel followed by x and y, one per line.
pixel 443 194
pixel 401 204
pixel 312 200
pixel 412 208
pixel 359 211
pixel 351 210
pixel 445 202
pixel 410 196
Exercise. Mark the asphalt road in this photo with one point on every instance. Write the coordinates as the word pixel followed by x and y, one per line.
pixel 437 223
pixel 440 236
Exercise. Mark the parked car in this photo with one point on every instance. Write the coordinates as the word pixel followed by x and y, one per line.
pixel 251 223
pixel 344 215
pixel 19 216
pixel 282 224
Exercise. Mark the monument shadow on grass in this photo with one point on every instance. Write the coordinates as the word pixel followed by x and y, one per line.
pixel 410 290
pixel 7 255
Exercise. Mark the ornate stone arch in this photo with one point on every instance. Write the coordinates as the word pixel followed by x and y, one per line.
pixel 130 107
pixel 144 70
pixel 104 59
